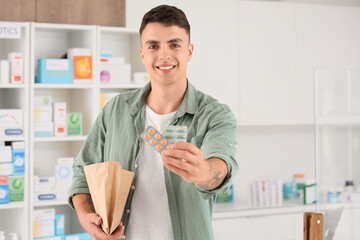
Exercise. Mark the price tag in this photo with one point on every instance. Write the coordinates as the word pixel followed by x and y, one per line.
pixel 10 30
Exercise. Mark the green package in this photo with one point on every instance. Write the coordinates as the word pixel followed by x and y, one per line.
pixel 74 123
pixel 16 188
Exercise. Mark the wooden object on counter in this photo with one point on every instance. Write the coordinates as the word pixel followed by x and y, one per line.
pixel 313 226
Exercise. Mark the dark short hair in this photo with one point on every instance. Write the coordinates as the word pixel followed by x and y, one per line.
pixel 166 15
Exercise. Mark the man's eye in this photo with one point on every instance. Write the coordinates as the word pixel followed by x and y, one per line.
pixel 174 45
pixel 153 47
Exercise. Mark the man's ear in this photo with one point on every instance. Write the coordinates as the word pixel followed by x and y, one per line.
pixel 142 56
pixel 191 50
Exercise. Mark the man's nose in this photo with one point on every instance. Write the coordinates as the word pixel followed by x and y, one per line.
pixel 164 54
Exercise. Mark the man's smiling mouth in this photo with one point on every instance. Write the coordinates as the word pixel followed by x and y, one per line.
pixel 166 67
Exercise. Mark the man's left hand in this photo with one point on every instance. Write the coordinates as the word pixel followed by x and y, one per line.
pixel 186 160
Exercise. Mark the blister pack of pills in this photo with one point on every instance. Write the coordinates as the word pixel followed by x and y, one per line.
pixel 175 133
pixel 160 143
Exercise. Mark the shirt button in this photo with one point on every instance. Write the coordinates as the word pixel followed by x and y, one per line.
pixel 132 187
pixel 127 210
pixel 230 144
pixel 136 165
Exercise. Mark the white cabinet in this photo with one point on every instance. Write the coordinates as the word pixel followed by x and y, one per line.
pixel 52 41
pixel 328 37
pixel 281 45
pixel 347 226
pixel 271 227
pixel 16 96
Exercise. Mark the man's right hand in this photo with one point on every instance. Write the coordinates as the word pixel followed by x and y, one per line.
pixel 91 221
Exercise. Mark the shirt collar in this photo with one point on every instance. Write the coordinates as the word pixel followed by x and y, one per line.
pixel 137 100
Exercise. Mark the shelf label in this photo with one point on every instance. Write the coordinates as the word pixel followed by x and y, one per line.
pixel 10 30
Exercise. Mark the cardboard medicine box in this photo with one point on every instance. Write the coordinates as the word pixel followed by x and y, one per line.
pixel 59 224
pixel 16 188
pixel 74 123
pixel 6 169
pixel 4 190
pixel 18 158
pixel 16 60
pixel 60 120
pixel 45 188
pixel 43 129
pixel 5 154
pixel 82 64
pixel 11 122
pixel 54 71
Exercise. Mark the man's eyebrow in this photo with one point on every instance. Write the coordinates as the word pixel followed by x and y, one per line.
pixel 175 40
pixel 150 42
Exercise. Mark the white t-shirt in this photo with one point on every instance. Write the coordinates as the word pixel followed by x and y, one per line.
pixel 150 215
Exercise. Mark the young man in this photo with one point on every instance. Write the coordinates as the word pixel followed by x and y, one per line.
pixel 174 193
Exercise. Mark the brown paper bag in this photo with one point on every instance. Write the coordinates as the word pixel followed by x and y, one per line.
pixel 109 186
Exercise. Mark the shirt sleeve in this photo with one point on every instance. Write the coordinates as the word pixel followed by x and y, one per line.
pixel 90 153
pixel 220 142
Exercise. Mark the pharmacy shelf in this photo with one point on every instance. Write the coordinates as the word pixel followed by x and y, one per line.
pixel 237 210
pixel 13 138
pixel 12 85
pixel 60 139
pixel 50 203
pixel 122 86
pixel 65 27
pixel 12 205
pixel 63 86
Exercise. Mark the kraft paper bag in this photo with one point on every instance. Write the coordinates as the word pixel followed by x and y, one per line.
pixel 109 186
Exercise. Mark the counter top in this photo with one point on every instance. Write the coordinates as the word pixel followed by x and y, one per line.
pixel 239 209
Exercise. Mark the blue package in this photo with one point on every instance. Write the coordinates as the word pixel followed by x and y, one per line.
pixel 59 224
pixel 226 197
pixel 290 191
pixel 18 156
pixel 79 236
pixel 4 190
pixel 55 71
pixel 60 237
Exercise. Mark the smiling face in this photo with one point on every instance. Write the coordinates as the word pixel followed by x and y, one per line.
pixel 165 52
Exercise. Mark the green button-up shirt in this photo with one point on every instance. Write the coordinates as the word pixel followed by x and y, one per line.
pixel 115 136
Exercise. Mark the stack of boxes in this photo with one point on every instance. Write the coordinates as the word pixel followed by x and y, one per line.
pixel 47 225
pixel 55 187
pixel 113 70
pixel 63 176
pixel 43 124
pixel 12 70
pixel 64 123
pixel 76 69
pixel 12 170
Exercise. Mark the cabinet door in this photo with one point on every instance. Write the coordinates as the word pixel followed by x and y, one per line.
pixel 272 227
pixel 214 66
pixel 328 37
pixel 347 227
pixel 267 63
